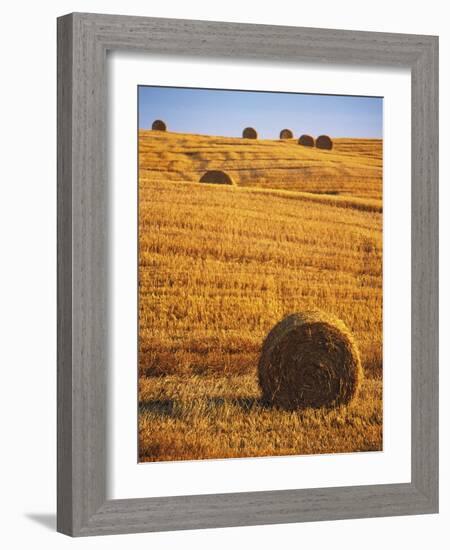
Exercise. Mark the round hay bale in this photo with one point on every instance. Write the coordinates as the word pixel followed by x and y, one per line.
pixel 309 359
pixel 305 140
pixel 324 142
pixel 217 176
pixel 159 125
pixel 250 133
pixel 286 134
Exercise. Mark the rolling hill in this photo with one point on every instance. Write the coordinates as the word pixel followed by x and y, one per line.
pixel 219 265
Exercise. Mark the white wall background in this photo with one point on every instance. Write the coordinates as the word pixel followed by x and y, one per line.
pixel 28 271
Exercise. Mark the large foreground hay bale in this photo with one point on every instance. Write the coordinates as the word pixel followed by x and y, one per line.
pixel 286 134
pixel 309 359
pixel 250 133
pixel 217 176
pixel 307 141
pixel 159 125
pixel 324 142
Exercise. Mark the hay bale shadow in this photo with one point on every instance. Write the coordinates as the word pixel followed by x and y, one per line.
pixel 169 408
pixel 160 407
pixel 244 403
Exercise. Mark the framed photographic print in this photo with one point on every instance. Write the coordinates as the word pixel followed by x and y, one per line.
pixel 247 274
pixel 257 249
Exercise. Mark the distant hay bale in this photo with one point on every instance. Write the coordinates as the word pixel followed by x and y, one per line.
pixel 250 133
pixel 324 142
pixel 307 141
pixel 159 125
pixel 286 134
pixel 217 176
pixel 309 359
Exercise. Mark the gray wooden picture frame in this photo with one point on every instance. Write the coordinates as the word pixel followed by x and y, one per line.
pixel 83 41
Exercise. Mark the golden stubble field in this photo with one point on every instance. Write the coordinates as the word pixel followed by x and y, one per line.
pixel 220 265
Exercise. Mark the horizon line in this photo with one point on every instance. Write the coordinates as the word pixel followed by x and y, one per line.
pixel 256 139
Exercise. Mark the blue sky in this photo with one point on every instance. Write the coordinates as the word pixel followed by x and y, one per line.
pixel 228 112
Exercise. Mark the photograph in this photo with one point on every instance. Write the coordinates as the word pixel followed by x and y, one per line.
pixel 260 273
pixel 221 259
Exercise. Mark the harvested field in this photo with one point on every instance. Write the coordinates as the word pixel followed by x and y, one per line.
pixel 353 167
pixel 220 265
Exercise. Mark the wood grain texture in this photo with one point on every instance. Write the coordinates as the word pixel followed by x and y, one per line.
pixel 83 318
pixel 425 275
pixel 64 267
